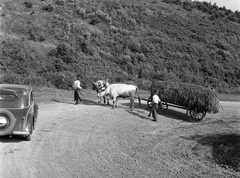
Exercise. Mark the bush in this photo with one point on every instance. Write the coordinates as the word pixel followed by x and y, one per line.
pixel 81 12
pixel 58 80
pixel 48 8
pixel 59 64
pixel 134 45
pixel 95 21
pixel 28 4
pixel 31 35
pixel 60 2
pixel 178 2
pixel 33 80
pixel 11 78
pixel 187 6
pixel 62 50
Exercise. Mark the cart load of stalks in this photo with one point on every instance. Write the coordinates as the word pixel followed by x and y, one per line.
pixel 193 97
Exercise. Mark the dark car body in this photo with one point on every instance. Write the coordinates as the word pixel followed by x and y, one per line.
pixel 18 111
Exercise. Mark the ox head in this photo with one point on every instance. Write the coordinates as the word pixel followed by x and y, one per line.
pixel 100 86
pixel 101 93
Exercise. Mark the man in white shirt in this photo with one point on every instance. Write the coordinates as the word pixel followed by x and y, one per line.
pixel 77 88
pixel 155 102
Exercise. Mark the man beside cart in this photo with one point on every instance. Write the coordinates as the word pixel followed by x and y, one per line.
pixel 155 104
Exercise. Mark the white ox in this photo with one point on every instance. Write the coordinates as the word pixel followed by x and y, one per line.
pixel 101 86
pixel 121 90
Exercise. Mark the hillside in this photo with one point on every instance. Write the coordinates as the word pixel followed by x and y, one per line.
pixel 48 42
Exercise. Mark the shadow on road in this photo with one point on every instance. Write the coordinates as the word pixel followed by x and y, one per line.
pixel 177 115
pixel 140 115
pixel 13 139
pixel 84 102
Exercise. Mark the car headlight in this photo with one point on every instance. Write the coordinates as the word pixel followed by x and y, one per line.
pixel 4 121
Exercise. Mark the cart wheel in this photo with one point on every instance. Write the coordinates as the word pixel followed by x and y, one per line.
pixel 164 106
pixel 149 101
pixel 196 117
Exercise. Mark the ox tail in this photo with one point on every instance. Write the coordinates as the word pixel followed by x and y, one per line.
pixel 139 98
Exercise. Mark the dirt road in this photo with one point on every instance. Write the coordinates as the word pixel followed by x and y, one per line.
pixel 93 140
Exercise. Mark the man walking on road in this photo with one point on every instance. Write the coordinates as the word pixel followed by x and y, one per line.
pixel 77 88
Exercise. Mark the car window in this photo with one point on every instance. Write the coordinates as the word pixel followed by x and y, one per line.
pixel 6 97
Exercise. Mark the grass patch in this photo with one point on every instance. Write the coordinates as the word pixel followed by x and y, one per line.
pixel 225 149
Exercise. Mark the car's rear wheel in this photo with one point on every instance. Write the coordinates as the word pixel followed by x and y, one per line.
pixel 7 122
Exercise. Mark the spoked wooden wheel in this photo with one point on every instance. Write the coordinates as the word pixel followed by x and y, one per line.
pixel 149 101
pixel 197 116
pixel 164 105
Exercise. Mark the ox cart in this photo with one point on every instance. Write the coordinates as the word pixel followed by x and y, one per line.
pixel 197 100
pixel 194 115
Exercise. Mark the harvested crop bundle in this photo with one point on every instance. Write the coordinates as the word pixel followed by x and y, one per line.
pixel 193 97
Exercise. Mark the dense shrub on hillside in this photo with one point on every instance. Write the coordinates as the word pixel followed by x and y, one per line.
pixel 212 9
pixel 28 4
pixel 95 21
pixel 34 81
pixel 62 80
pixel 122 41
pixel 187 6
pixel 14 57
pixel 178 2
pixel 60 2
pixel 11 77
pixel 62 50
pixel 35 36
pixel 48 8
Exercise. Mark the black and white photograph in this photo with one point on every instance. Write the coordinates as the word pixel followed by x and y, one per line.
pixel 120 88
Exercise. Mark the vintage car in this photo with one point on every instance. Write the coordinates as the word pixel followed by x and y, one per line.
pixel 18 110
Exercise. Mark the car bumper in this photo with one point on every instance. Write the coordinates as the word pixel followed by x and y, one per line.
pixel 20 133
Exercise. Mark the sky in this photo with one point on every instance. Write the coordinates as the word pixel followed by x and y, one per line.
pixel 233 5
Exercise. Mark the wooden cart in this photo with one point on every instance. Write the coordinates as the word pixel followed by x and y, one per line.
pixel 196 99
pixel 195 116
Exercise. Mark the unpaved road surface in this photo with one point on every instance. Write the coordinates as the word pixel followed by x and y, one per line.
pixel 93 140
